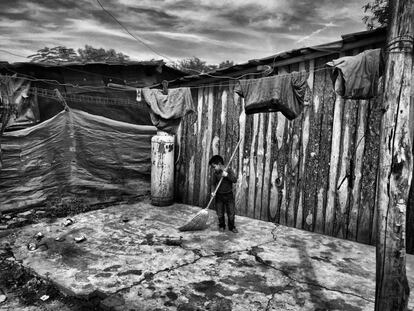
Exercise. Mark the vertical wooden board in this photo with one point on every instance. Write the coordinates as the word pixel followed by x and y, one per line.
pixel 334 164
pixel 345 173
pixel 206 147
pixel 304 141
pixel 251 199
pixel 259 166
pixel 191 176
pixel 273 210
pixel 179 172
pixel 267 168
pixel 327 111
pixel 351 168
pixel 223 119
pixel 367 221
pixel 281 161
pixel 232 113
pixel 283 133
pixel 236 126
pixel 359 143
pixel 242 129
pixel 345 181
pixel 178 165
pixel 274 204
pixel 294 177
pixel 241 185
pixel 294 160
pixel 216 129
pixel 192 134
pixel 312 154
pixel 246 161
pixel 201 144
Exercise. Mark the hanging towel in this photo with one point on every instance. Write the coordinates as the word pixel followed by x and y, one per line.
pixel 284 93
pixel 168 109
pixel 356 77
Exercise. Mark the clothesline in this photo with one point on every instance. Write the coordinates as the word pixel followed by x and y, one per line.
pixel 95 88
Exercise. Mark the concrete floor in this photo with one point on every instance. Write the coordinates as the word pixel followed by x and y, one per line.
pixel 128 258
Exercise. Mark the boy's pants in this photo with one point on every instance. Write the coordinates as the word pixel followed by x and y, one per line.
pixel 225 204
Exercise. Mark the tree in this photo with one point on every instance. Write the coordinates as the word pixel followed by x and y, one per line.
pixel 226 63
pixel 58 54
pixel 379 13
pixel 62 54
pixel 193 65
pixel 91 54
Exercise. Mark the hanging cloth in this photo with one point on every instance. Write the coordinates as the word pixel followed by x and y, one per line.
pixel 167 110
pixel 356 77
pixel 284 93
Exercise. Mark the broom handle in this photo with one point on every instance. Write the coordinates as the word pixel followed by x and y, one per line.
pixel 221 179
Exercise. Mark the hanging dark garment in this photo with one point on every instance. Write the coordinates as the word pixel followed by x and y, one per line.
pixel 168 109
pixel 356 77
pixel 284 93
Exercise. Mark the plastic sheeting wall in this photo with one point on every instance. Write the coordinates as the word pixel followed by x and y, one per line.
pixel 74 154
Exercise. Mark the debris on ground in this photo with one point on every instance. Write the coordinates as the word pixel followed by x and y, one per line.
pixel 44 297
pixel 68 222
pixel 60 238
pixel 31 246
pixel 3 297
pixel 38 236
pixel 80 239
pixel 24 214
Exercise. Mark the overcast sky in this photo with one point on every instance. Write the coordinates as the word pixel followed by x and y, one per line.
pixel 213 30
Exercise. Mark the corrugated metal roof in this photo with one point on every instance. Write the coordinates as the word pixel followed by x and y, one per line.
pixel 348 42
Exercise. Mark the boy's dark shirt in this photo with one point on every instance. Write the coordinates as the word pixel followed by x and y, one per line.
pixel 227 183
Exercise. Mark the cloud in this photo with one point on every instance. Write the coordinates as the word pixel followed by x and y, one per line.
pixel 212 30
pixel 314 33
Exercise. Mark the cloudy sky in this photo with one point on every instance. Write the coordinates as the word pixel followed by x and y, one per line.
pixel 213 30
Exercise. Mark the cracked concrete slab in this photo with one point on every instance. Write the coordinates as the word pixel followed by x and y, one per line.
pixel 136 259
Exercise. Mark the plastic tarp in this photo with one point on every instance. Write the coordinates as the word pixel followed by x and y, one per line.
pixel 74 154
pixel 20 109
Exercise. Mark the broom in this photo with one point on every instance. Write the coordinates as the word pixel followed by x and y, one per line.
pixel 199 220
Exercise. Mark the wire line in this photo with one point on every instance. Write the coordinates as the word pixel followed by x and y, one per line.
pixel 132 35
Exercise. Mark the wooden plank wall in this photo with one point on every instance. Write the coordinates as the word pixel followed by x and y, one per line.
pixel 317 172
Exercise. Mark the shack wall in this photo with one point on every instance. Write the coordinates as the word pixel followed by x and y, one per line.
pixel 317 172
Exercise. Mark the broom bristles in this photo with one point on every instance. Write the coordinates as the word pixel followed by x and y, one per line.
pixel 198 222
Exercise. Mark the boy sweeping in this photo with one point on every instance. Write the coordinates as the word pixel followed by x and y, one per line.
pixel 224 194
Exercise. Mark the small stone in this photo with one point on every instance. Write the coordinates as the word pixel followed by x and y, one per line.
pixel 4 227
pixel 7 217
pixel 40 212
pixel 44 297
pixel 68 222
pixel 3 298
pixel 80 239
pixel 32 246
pixel 24 214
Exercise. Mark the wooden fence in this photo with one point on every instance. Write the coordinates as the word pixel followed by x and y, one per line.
pixel 317 172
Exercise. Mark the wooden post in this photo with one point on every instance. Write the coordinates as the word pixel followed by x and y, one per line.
pixel 395 162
